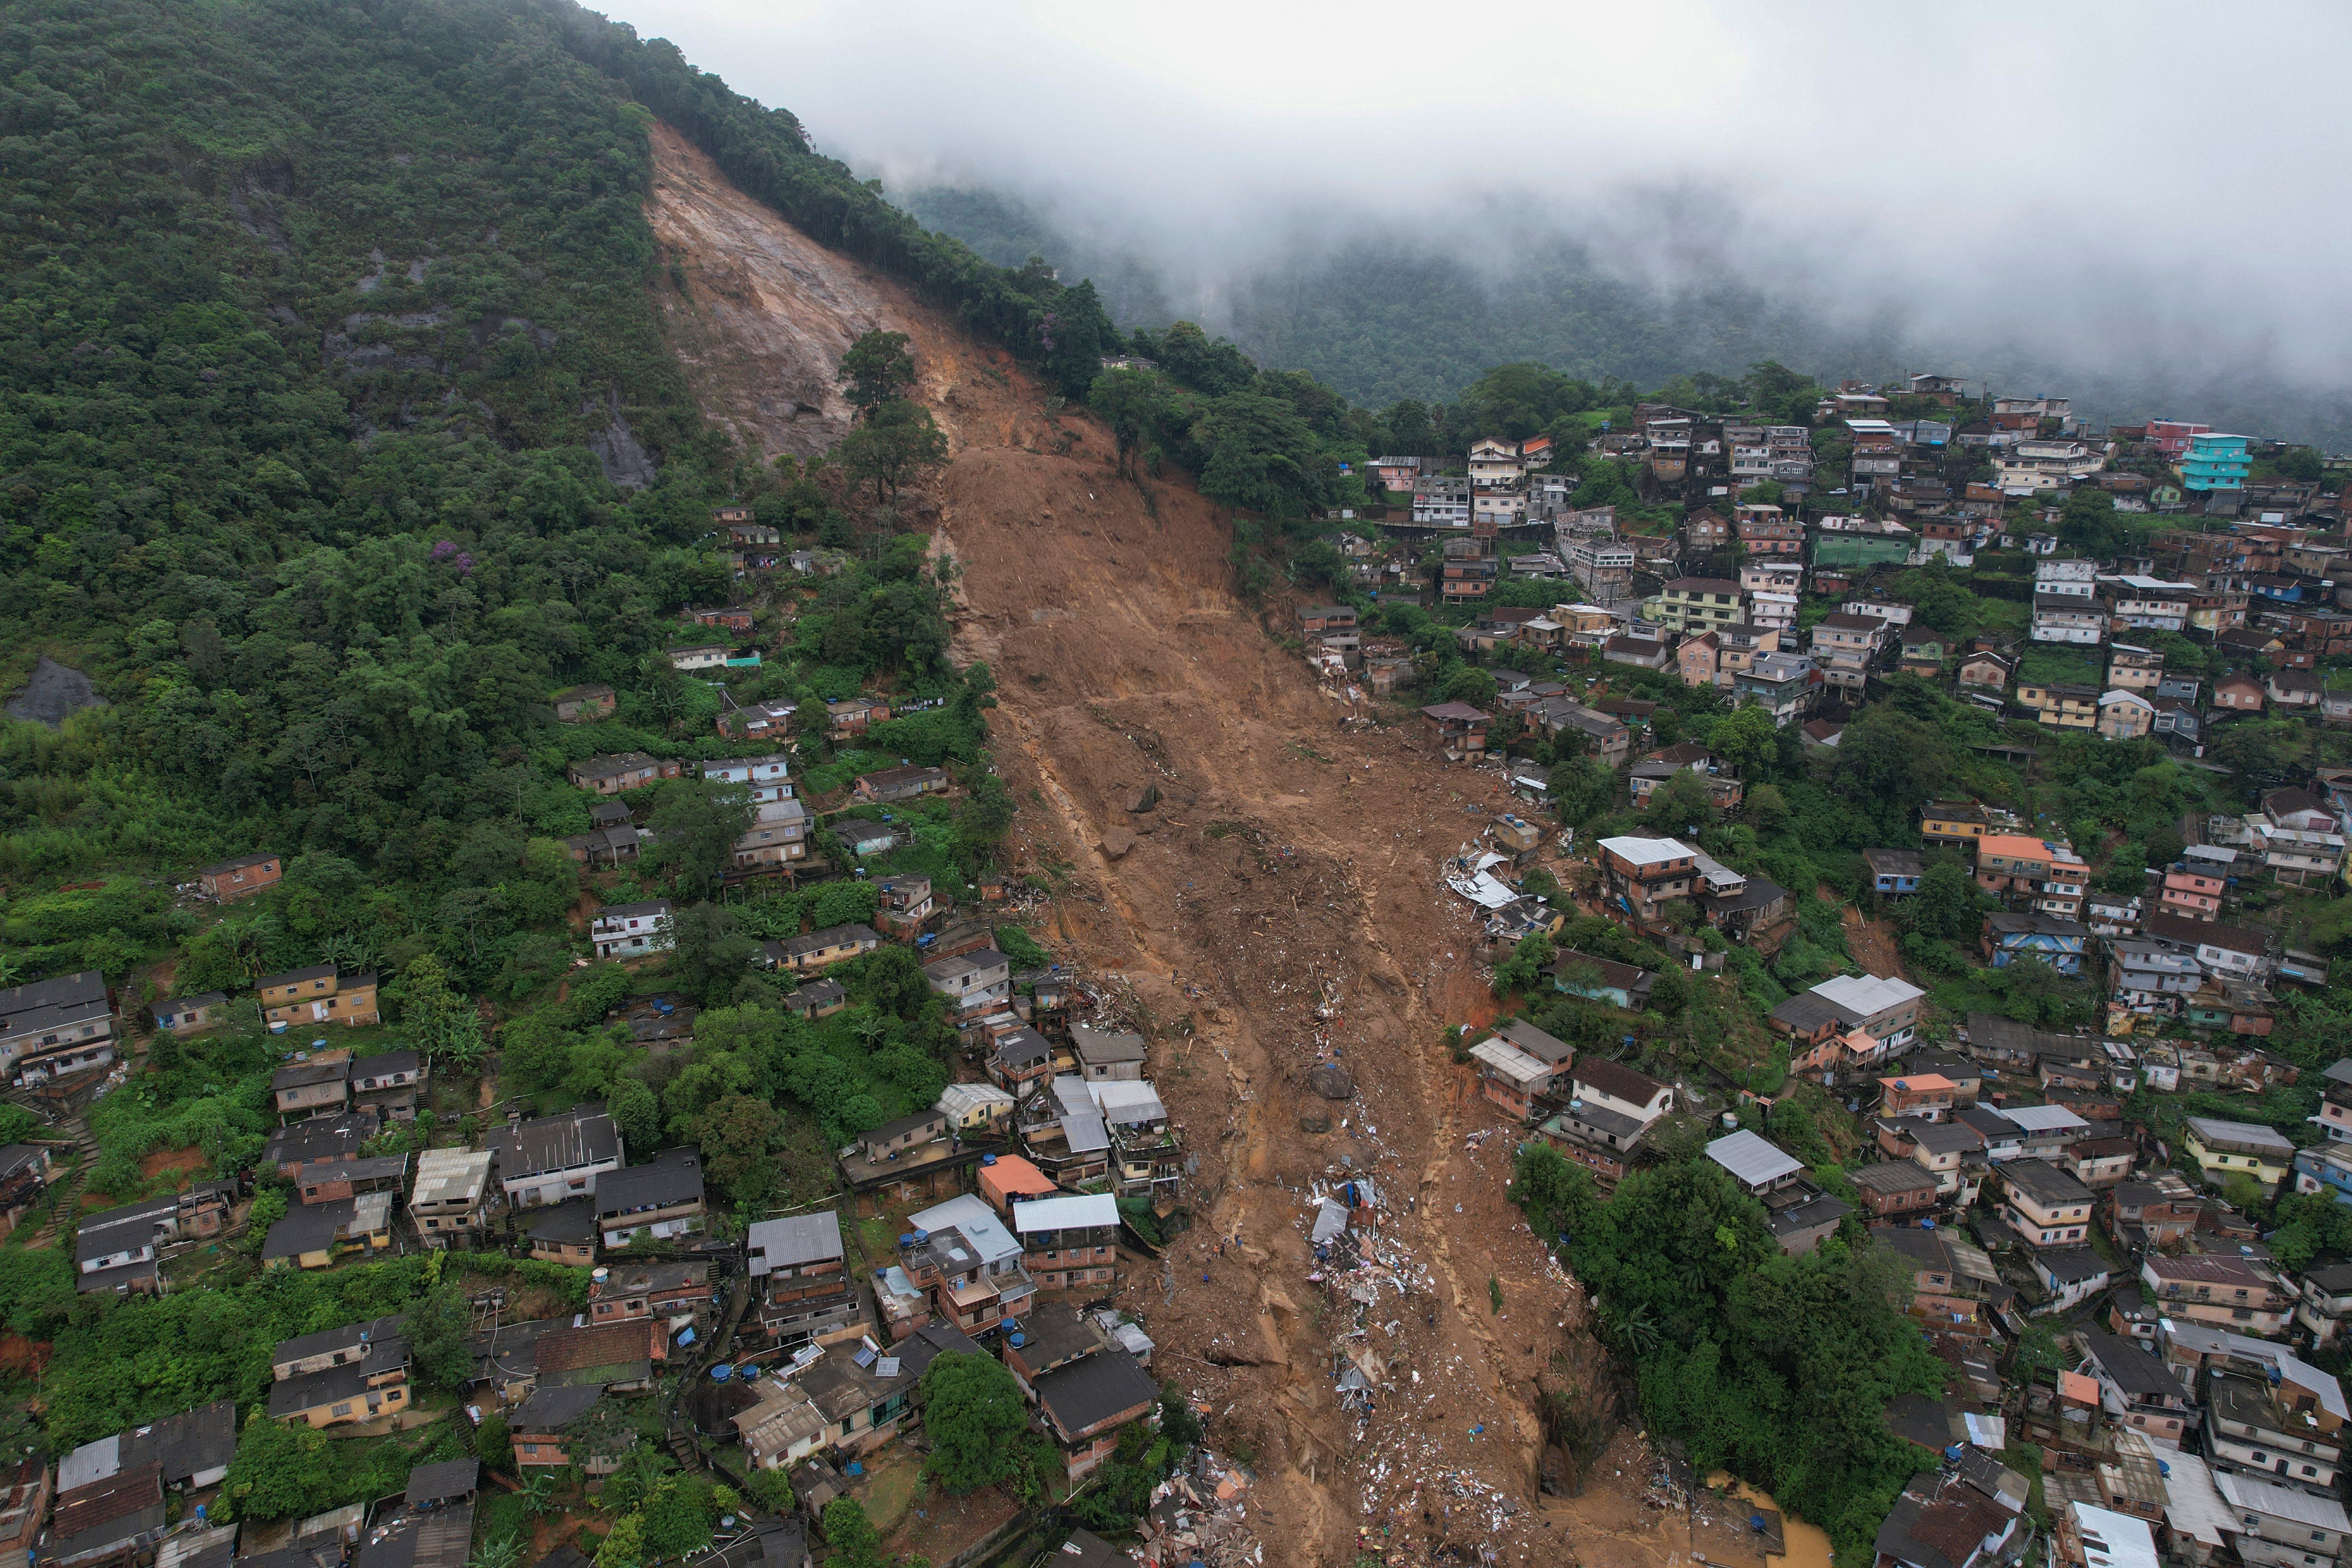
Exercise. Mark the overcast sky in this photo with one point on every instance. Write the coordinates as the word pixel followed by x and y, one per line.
pixel 2147 179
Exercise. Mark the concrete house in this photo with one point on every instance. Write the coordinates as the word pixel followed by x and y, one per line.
pixel 319 994
pixel 584 704
pixel 973 981
pixel 232 880
pixel 631 930
pixel 186 1016
pixel 660 1202
pixel 628 771
pixel 446 1202
pixel 553 1158
pixel 2045 1205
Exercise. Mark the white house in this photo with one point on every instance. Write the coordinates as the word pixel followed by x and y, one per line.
pixel 766 778
pixel 631 930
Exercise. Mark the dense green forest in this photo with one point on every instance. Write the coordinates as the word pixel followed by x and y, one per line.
pixel 338 433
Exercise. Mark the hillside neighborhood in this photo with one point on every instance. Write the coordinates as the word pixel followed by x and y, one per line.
pixel 1914 836
pixel 2082 1111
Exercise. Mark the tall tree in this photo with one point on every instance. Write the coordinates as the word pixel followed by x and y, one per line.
pixel 695 829
pixel 439 1334
pixel 974 1416
pixel 895 446
pixel 877 369
pixel 710 953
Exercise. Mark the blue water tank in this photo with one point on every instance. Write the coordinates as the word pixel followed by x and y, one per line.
pixel 988 1159
pixel 721 1372
pixel 921 1236
pixel 1019 1339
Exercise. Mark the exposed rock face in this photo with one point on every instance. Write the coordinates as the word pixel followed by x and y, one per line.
pixel 1332 1081
pixel 55 692
pixel 765 314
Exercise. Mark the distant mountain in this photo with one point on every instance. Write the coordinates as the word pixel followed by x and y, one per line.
pixel 1008 231
pixel 1380 321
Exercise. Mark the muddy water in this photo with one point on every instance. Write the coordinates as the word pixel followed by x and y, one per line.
pixel 1809 1544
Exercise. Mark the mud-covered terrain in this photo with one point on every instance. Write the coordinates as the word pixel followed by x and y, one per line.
pixel 1280 907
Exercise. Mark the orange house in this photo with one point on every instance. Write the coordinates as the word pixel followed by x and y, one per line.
pixel 1012 1179
pixel 241 877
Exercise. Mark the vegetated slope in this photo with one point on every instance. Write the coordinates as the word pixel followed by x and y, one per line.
pixel 1284 890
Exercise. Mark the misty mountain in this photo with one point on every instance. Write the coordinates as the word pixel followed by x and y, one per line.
pixel 1379 320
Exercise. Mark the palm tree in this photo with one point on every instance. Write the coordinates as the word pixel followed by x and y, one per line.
pixel 502 1552
pixel 1635 1328
pixel 538 1495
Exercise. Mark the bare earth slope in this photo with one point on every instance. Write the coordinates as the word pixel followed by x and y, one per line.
pixel 1282 902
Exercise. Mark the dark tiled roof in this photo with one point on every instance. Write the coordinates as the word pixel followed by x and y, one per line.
pixel 439 1483
pixel 1616 1080
pixel 674 1178
pixel 2132 1369
pixel 552 1408
pixel 1089 1392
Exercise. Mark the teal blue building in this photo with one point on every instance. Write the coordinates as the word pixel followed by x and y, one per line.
pixel 2215 462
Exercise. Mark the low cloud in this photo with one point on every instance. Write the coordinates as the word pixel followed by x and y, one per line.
pixel 2133 188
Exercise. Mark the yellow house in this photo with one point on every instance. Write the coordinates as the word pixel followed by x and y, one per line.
pixel 319 994
pixel 1952 822
pixel 2226 1149
pixel 356 1392
pixel 2126 715
pixel 2061 704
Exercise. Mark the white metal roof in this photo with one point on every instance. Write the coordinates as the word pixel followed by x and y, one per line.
pixel 1751 1158
pixel 1509 1060
pixel 976 1220
pixel 962 1096
pixel 1131 1099
pixel 2112 1540
pixel 2044 1118
pixel 1868 994
pixel 2192 1504
pixel 2251 1494
pixel 1645 852
pixel 1066 1213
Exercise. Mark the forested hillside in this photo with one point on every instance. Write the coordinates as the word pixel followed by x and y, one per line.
pixel 338 430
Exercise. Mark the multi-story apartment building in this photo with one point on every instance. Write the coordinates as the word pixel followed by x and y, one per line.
pixel 2056 619
pixel 2134 669
pixel 447 1201
pixel 2220 1290
pixel 2214 461
pixel 1845 647
pixel 1602 568
pixel 2225 1149
pixel 1695 604
pixel 1784 684
pixel 1646 874
pixel 761 778
pixel 2255 1429
pixel 1768 531
pixel 2045 1205
pixel 2062 705
pixel 1068 1241
pixel 804 1294
pixel 1740 645
pixel 2193 894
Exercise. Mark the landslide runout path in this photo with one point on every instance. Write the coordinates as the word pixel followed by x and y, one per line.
pixel 1291 867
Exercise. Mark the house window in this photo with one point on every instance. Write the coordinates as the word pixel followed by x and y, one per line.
pixel 344 1409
